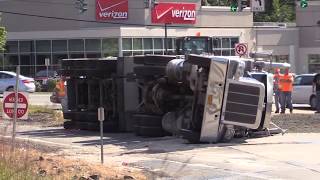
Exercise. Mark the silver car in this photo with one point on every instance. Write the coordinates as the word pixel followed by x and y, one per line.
pixel 8 81
pixel 302 90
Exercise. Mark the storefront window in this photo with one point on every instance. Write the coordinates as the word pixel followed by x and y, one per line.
pixel 11 47
pixel 127 44
pixel 27 59
pixel 158 43
pixel 137 46
pixel 43 46
pixel 226 43
pixel 226 53
pixel 314 63
pixel 224 46
pixel 76 45
pixel 281 58
pixel 26 46
pixel 147 43
pixel 110 47
pixel 40 59
pixel 93 55
pixel 93 45
pixel 59 46
pixel 234 41
pixel 27 71
pixel 11 59
pixel 56 58
pixel 76 55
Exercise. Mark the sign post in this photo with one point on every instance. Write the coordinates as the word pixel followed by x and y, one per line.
pixel 101 118
pixel 47 63
pixel 16 91
pixel 15 106
pixel 257 5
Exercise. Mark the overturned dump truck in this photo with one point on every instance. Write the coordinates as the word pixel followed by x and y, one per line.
pixel 91 83
pixel 198 97
pixel 201 98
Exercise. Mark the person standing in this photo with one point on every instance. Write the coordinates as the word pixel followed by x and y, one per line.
pixel 286 85
pixel 276 88
pixel 316 89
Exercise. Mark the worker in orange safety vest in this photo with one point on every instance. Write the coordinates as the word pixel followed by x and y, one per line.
pixel 60 87
pixel 285 86
pixel 276 88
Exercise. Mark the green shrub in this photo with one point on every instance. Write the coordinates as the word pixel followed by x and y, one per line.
pixel 51 84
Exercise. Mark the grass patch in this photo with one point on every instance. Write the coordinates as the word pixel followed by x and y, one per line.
pixel 8 171
pixel 40 109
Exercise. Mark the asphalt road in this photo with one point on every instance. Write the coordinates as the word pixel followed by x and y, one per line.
pixel 291 156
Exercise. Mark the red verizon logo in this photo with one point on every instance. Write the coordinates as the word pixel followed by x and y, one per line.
pixel 111 9
pixel 181 13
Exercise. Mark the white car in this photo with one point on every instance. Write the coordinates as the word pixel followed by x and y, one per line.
pixel 8 82
pixel 302 90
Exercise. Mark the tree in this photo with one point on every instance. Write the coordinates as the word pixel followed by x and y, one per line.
pixel 277 11
pixel 2 38
pixel 3 34
pixel 216 2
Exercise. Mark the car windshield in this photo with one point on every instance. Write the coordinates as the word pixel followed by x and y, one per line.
pixel 44 73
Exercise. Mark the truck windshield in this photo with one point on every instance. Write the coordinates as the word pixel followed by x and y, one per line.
pixel 195 46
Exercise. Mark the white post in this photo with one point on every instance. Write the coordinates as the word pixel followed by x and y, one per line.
pixel 16 92
pixel 47 63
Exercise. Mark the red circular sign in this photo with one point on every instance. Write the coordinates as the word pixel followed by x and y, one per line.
pixel 241 49
pixel 8 105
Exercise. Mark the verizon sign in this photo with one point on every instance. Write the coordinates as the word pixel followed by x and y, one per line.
pixel 111 9
pixel 174 13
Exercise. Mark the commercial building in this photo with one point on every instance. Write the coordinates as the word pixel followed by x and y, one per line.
pixel 296 43
pixel 54 29
pixel 68 34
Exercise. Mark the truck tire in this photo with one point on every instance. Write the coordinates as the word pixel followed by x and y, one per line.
pixel 147 120
pixel 313 102
pixel 149 71
pixel 68 125
pixel 148 125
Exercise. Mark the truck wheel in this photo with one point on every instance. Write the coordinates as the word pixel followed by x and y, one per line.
pixel 149 71
pixel 148 125
pixel 313 102
pixel 147 120
pixel 68 125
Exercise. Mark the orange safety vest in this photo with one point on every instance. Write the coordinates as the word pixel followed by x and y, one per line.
pixel 60 87
pixel 286 82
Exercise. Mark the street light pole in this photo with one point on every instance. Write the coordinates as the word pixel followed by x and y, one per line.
pixel 166 38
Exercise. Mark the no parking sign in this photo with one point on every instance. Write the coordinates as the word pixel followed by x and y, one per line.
pixel 241 49
pixel 8 105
